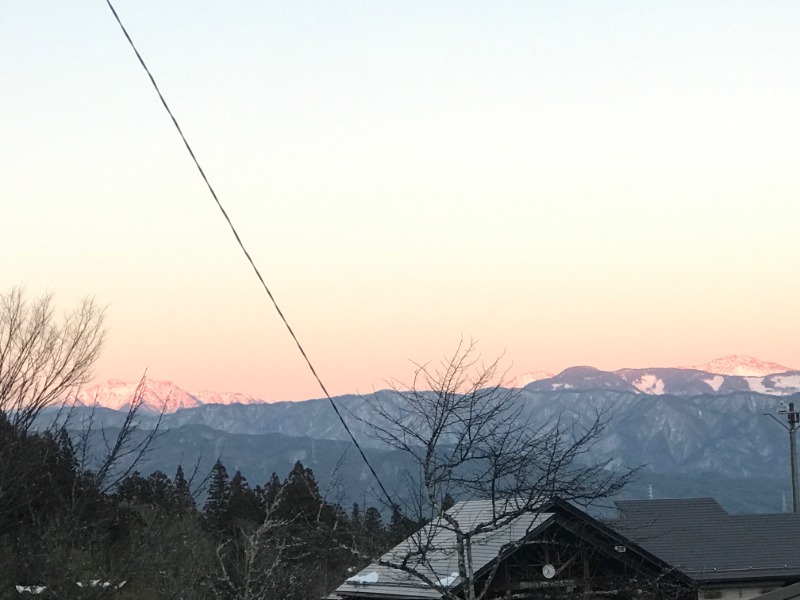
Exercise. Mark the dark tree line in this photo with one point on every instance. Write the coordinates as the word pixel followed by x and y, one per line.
pixel 282 539
pixel 57 525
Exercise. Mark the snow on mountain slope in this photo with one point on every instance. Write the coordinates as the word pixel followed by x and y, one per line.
pixel 716 377
pixel 156 396
pixel 526 378
pixel 207 397
pixel 715 382
pixel 649 384
pixel 657 381
pixel 780 384
pixel 741 365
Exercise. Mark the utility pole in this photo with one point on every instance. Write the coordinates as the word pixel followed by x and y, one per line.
pixel 793 418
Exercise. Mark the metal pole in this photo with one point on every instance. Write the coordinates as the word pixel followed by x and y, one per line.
pixel 793 418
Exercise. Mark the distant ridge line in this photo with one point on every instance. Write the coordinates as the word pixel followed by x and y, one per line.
pixel 677 381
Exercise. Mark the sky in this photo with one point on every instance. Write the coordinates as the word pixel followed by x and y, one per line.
pixel 612 184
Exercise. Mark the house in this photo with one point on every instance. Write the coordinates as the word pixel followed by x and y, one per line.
pixel 554 550
pixel 727 556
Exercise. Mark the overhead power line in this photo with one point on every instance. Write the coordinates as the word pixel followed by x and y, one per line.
pixel 247 254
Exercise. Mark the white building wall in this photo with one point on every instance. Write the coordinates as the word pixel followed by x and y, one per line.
pixel 742 592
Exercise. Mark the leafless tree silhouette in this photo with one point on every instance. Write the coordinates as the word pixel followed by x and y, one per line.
pixel 470 438
pixel 44 359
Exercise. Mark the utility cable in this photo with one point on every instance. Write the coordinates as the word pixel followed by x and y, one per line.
pixel 247 254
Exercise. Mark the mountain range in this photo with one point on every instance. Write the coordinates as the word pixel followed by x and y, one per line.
pixel 734 373
pixel 693 432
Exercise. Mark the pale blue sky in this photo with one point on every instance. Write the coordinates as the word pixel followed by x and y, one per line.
pixel 606 183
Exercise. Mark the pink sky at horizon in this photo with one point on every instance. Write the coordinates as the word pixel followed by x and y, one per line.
pixel 575 184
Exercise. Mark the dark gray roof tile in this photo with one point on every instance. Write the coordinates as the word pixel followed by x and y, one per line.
pixel 708 544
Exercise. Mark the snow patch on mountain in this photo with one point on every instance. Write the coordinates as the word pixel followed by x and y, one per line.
pixel 649 384
pixel 786 383
pixel 742 366
pixel 756 384
pixel 715 382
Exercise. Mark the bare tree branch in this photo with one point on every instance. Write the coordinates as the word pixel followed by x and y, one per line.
pixel 468 437
pixel 44 360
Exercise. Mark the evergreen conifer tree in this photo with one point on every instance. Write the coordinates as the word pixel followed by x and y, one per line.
pixel 301 495
pixel 183 495
pixel 135 489
pixel 272 490
pixel 355 516
pixel 161 489
pixel 373 524
pixel 243 506
pixel 400 526
pixel 218 495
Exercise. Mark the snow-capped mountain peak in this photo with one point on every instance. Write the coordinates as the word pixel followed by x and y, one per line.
pixel 741 365
pixel 156 396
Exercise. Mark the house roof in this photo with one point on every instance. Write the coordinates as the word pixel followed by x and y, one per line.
pixel 701 539
pixel 440 563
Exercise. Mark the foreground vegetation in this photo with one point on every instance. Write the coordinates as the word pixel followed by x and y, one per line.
pixel 277 540
pixel 77 520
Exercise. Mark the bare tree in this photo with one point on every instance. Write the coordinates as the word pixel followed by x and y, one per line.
pixel 120 454
pixel 470 438
pixel 57 518
pixel 43 359
pixel 260 568
pixel 293 549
